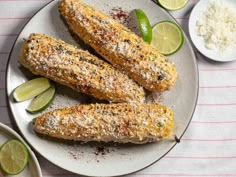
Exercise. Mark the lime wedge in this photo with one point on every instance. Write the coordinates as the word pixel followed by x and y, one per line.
pixel 42 101
pixel 139 23
pixel 167 37
pixel 172 4
pixel 13 157
pixel 31 89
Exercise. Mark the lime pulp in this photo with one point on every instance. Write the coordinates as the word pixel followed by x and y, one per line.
pixel 31 89
pixel 42 101
pixel 14 157
pixel 172 4
pixel 167 37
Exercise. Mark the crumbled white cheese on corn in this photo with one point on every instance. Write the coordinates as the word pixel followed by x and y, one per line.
pixel 217 26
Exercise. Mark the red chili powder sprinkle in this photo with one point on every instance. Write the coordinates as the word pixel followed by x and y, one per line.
pixel 100 150
pixel 73 155
pixel 117 13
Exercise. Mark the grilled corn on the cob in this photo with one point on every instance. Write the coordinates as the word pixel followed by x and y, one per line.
pixel 122 123
pixel 78 69
pixel 119 46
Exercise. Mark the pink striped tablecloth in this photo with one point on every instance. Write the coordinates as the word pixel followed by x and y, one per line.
pixel 208 148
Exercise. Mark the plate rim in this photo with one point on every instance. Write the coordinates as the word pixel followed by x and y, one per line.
pixel 195 43
pixel 146 166
pixel 12 132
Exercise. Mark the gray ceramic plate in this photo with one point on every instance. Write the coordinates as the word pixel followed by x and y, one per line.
pixel 88 159
pixel 33 168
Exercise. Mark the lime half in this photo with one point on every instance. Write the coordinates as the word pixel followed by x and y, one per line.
pixel 31 89
pixel 42 101
pixel 167 37
pixel 172 4
pixel 13 157
pixel 139 23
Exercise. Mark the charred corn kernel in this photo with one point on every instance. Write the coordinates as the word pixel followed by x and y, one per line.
pixel 78 69
pixel 122 123
pixel 118 45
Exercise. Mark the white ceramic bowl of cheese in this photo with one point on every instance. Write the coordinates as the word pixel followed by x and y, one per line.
pixel 229 54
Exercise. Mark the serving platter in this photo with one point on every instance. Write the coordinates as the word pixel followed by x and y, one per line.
pixel 33 168
pixel 94 159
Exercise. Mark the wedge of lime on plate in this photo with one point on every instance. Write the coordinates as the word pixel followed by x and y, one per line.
pixel 139 23
pixel 14 157
pixel 42 101
pixel 172 4
pixel 31 89
pixel 167 37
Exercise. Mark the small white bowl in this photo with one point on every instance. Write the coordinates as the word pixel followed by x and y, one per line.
pixel 32 169
pixel 217 55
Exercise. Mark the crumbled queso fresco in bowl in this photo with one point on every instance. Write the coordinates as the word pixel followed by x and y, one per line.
pixel 217 26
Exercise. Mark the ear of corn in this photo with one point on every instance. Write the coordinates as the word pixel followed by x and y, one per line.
pixel 122 123
pixel 118 45
pixel 78 69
